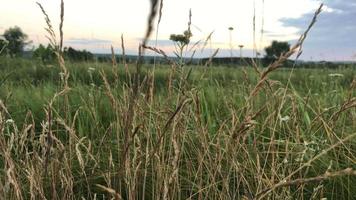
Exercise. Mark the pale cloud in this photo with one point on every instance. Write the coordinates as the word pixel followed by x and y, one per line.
pixel 85 41
pixel 331 37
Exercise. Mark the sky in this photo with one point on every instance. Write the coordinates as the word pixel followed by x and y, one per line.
pixel 96 25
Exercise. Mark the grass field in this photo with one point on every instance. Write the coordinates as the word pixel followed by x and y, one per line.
pixel 197 135
pixel 133 131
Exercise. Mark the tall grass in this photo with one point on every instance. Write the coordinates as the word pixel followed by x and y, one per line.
pixel 98 131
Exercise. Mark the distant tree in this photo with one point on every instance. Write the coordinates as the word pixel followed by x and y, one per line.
pixel 87 56
pixel 77 55
pixel 45 54
pixel 70 53
pixel 17 40
pixel 275 50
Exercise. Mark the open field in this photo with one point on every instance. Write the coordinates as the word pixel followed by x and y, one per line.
pixel 192 133
pixel 100 130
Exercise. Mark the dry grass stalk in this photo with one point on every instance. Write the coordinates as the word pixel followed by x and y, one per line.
pixel 61 27
pixel 108 92
pixel 308 163
pixel 49 28
pixel 296 48
pixel 49 137
pixel 171 62
pixel 162 53
pixel 211 164
pixel 160 12
pixel 111 191
pixel 327 175
pixel 123 52
pixel 53 41
pixel 114 64
pixel 173 175
pixel 3 47
pixel 254 29
pixel 11 175
pixel 212 57
pixel 153 12
pixel 208 38
pixel 124 63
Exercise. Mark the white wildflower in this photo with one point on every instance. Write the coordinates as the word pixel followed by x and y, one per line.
pixel 285 118
pixel 285 160
pixel 336 75
pixel 61 74
pixel 91 69
pixel 10 121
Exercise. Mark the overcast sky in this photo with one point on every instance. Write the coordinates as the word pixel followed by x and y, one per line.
pixel 95 25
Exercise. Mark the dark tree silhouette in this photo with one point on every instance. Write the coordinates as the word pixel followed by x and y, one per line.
pixel 45 54
pixel 275 50
pixel 17 40
pixel 77 55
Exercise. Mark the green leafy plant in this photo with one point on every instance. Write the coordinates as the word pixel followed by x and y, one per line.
pixel 181 41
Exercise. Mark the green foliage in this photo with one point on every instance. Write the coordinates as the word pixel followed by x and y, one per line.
pixel 45 54
pixel 181 41
pixel 77 55
pixel 275 50
pixel 16 41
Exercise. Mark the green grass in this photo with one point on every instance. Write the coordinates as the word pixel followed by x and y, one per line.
pixel 196 140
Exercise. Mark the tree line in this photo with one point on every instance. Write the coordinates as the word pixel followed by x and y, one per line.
pixel 47 54
pixel 14 40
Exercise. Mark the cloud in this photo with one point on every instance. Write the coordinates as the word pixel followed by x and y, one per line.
pixel 276 36
pixel 160 43
pixel 333 33
pixel 85 41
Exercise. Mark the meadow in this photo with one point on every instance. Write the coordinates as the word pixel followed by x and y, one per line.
pixel 93 130
pixel 196 137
